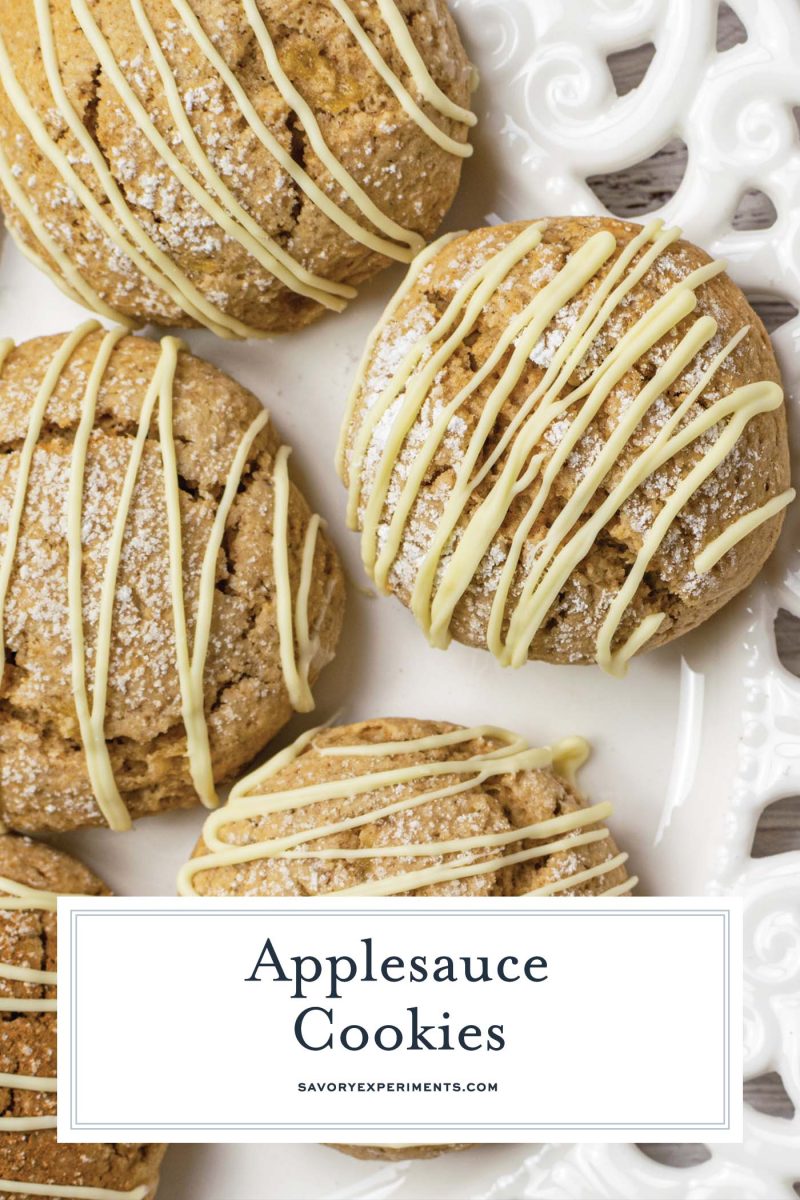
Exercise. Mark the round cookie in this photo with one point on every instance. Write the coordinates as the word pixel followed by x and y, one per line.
pixel 237 164
pixel 566 441
pixel 398 1153
pixel 31 875
pixel 167 598
pixel 483 782
pixel 536 833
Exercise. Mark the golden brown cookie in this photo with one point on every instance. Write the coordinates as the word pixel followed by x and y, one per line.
pixel 170 597
pixel 238 164
pixel 397 1153
pixel 567 441
pixel 522 787
pixel 482 782
pixel 33 873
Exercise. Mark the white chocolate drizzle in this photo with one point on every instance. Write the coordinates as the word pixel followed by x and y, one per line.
pixel 458 544
pixel 118 222
pixel 719 547
pixel 460 857
pixel 297 646
pixel 419 72
pixel 15 897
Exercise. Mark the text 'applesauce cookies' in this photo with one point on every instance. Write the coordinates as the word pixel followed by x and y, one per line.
pixel 566 441
pixel 237 164
pixel 166 597
pixel 32 1163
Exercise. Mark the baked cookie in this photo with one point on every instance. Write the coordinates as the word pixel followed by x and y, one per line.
pixel 566 441
pixel 429 787
pixel 31 1162
pixel 237 164
pixel 397 1152
pixel 478 812
pixel 166 597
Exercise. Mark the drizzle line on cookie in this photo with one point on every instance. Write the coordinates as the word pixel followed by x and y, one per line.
pixel 454 553
pixel 296 642
pixel 563 832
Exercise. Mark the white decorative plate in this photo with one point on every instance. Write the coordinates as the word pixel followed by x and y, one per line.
pixel 701 736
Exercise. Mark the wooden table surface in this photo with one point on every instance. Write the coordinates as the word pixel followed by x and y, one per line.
pixel 630 193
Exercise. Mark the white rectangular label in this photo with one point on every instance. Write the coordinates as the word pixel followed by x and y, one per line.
pixel 433 1020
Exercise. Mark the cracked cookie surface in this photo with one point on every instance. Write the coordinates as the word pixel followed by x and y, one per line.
pixel 189 177
pixel 44 783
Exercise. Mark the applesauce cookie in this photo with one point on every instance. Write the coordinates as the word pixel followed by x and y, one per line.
pixel 427 787
pixel 237 164
pixel 396 1152
pixel 166 597
pixel 475 812
pixel 31 1162
pixel 566 441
